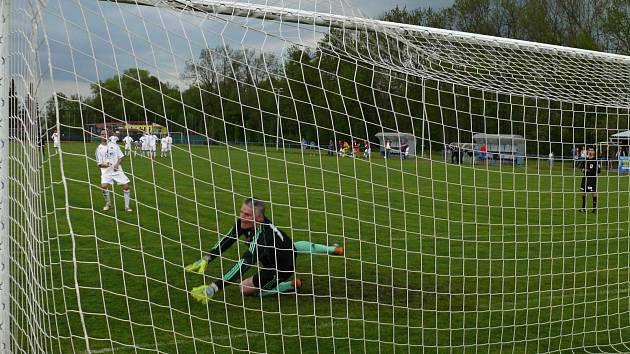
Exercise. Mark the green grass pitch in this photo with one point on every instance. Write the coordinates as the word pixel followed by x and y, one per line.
pixel 438 257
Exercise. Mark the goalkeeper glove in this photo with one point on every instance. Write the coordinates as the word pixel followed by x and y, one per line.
pixel 199 266
pixel 204 293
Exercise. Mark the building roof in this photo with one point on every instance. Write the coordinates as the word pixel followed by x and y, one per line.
pixel 622 135
pixel 387 135
pixel 494 138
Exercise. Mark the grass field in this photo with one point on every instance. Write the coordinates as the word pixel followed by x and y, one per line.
pixel 438 257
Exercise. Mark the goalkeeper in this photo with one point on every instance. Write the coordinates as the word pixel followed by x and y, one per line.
pixel 267 245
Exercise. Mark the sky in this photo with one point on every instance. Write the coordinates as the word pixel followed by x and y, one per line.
pixel 90 40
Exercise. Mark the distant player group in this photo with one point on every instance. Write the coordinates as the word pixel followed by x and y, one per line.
pixel 147 145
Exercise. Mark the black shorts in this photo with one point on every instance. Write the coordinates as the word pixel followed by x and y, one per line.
pixel 269 277
pixel 589 184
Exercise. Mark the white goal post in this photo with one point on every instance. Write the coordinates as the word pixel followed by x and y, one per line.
pixel 5 296
pixel 283 101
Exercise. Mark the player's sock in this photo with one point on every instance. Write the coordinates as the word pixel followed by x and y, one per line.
pixel 282 287
pixel 584 202
pixel 106 195
pixel 594 202
pixel 309 247
pixel 127 194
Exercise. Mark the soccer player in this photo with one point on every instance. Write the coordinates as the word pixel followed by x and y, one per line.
pixel 56 139
pixel 152 144
pixel 144 144
pixel 109 158
pixel 267 245
pixel 164 146
pixel 138 145
pixel 128 140
pixel 590 169
pixel 113 139
pixel 170 142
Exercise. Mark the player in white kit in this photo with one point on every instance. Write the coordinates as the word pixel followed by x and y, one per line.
pixel 144 144
pixel 56 140
pixel 169 144
pixel 109 158
pixel 165 143
pixel 152 145
pixel 128 140
pixel 113 139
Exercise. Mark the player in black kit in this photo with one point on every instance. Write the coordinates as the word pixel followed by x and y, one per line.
pixel 590 168
pixel 268 246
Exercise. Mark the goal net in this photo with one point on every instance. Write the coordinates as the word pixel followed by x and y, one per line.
pixel 449 166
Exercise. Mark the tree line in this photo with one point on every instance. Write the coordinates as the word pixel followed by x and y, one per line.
pixel 602 25
pixel 326 93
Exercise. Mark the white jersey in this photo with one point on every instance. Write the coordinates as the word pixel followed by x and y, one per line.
pixel 113 139
pixel 164 143
pixel 55 138
pixel 109 153
pixel 152 140
pixel 169 142
pixel 144 142
pixel 127 140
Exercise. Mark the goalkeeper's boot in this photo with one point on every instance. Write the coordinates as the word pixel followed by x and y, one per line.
pixel 297 283
pixel 339 251
pixel 107 207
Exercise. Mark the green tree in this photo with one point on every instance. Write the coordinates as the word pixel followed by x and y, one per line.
pixel 135 95
pixel 616 26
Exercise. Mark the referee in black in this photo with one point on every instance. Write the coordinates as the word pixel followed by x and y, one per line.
pixel 590 169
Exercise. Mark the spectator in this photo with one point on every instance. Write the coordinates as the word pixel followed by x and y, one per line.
pixel 483 152
pixel 455 154
pixel 403 149
pixel 366 149
pixel 331 147
pixel 304 144
pixel 388 148
pixel 551 158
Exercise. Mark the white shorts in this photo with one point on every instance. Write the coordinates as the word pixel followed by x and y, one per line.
pixel 111 177
pixel 164 148
pixel 56 144
pixel 127 147
pixel 152 148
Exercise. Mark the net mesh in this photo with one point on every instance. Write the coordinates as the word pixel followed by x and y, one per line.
pixel 468 240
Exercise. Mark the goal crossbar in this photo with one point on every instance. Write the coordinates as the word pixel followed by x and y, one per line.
pixel 305 17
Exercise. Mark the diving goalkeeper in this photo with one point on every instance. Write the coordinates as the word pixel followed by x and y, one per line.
pixel 267 245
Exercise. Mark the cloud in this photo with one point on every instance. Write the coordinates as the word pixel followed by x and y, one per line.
pixel 93 40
